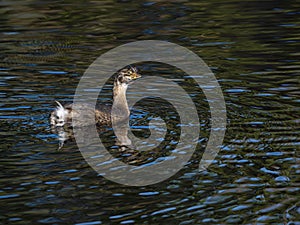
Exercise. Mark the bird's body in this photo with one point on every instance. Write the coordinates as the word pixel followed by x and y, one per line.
pixel 63 114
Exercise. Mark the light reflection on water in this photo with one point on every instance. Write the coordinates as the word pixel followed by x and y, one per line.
pixel 252 47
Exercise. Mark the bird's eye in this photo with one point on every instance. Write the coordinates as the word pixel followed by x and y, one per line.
pixel 57 117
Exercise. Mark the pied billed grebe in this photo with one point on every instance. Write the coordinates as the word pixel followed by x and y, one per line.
pixel 62 115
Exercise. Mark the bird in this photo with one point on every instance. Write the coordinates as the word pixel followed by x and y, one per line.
pixel 62 114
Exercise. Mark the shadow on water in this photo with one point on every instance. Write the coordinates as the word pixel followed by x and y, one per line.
pixel 252 47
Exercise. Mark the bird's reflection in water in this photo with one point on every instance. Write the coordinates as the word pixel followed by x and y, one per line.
pixel 118 144
pixel 65 134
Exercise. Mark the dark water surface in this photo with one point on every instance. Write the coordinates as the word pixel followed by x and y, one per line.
pixel 251 46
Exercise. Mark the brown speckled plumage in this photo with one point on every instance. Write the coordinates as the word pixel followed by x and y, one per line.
pixel 63 115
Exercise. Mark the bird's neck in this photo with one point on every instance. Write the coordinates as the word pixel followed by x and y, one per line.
pixel 120 102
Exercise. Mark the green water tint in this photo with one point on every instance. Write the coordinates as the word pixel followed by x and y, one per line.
pixel 252 48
